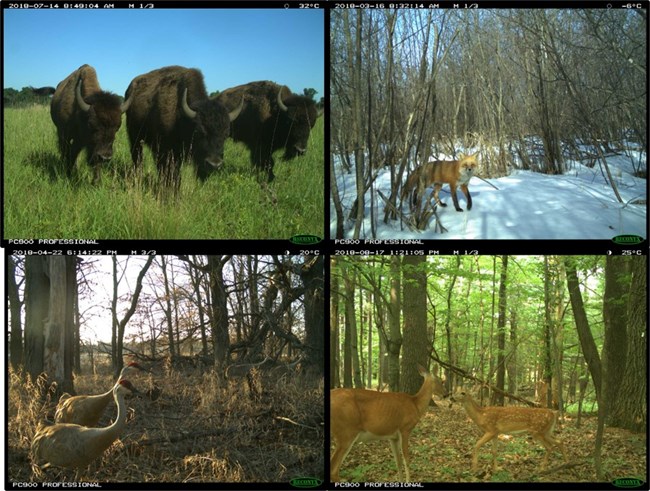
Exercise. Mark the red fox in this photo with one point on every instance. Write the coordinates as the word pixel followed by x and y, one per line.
pixel 455 172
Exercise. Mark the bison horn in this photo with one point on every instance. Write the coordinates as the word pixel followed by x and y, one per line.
pixel 189 112
pixel 125 105
pixel 85 107
pixel 280 103
pixel 232 115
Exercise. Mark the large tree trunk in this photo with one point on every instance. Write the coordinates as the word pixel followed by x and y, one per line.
pixel 71 346
pixel 615 318
pixel 351 363
pixel 448 316
pixel 501 333
pixel 54 359
pixel 335 362
pixel 196 279
pixel 591 355
pixel 312 275
pixel 630 410
pixel 416 345
pixel 37 302
pixel 167 308
pixel 582 324
pixel 15 305
pixel 219 296
pixel 394 341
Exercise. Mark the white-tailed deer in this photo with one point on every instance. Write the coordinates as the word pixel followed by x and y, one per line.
pixel 494 420
pixel 364 415
pixel 285 370
pixel 243 370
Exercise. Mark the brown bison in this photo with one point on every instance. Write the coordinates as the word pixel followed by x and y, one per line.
pixel 173 115
pixel 273 118
pixel 86 117
pixel 43 91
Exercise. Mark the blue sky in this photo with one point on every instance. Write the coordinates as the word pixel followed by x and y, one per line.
pixel 230 46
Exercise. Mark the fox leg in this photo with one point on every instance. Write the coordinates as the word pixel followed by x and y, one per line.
pixel 452 189
pixel 465 190
pixel 436 190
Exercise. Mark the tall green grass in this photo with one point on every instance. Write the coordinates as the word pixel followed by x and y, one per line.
pixel 234 203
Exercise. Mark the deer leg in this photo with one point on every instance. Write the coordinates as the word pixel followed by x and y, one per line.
pixel 341 451
pixel 482 441
pixel 405 455
pixel 396 449
pixel 495 443
pixel 557 443
pixel 560 445
pixel 541 438
pixel 549 442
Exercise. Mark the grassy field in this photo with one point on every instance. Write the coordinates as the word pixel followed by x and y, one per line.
pixel 199 429
pixel 41 202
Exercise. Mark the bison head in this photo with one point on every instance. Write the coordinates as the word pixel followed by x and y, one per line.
pixel 104 116
pixel 211 128
pixel 300 116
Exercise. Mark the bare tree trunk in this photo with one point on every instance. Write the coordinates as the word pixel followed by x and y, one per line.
pixel 37 302
pixel 582 324
pixel 512 361
pixel 15 307
pixel 615 318
pixel 335 362
pixel 174 350
pixel 196 278
pixel 121 324
pixel 312 275
pixel 501 332
pixel 591 355
pixel 350 330
pixel 416 347
pixel 394 341
pixel 75 327
pixel 56 363
pixel 630 410
pixel 336 200
pixel 220 337
pixel 450 295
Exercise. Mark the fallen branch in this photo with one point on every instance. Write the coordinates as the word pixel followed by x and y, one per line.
pixel 485 180
pixel 282 418
pixel 398 212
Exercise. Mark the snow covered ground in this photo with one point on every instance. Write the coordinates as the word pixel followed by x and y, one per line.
pixel 527 205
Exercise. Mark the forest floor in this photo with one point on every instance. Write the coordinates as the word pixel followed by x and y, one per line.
pixel 198 429
pixel 441 451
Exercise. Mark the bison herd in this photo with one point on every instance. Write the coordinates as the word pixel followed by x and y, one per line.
pixel 169 111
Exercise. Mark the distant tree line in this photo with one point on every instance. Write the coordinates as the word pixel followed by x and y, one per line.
pixel 27 96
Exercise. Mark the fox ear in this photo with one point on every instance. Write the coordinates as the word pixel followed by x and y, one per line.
pixel 474 155
pixel 461 156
